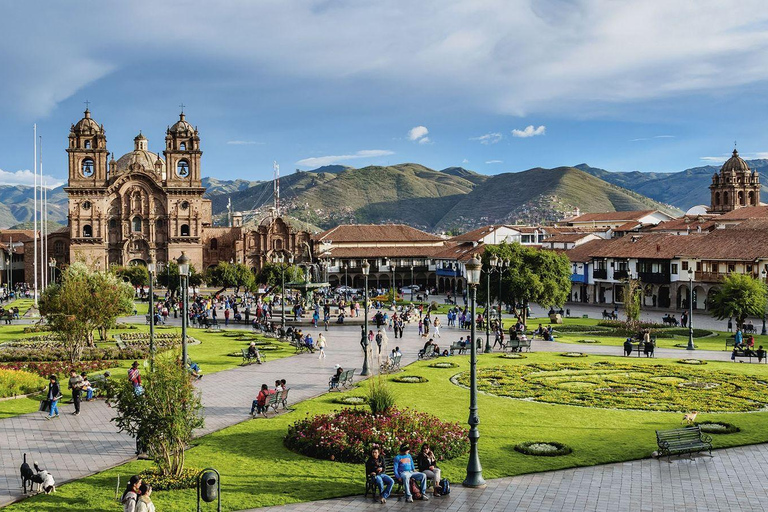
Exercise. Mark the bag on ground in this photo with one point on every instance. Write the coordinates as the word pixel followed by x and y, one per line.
pixel 445 486
pixel 415 491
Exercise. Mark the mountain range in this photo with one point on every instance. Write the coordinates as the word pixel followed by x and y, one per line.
pixel 448 200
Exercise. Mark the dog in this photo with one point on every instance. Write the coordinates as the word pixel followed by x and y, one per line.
pixel 44 480
pixel 26 475
pixel 690 418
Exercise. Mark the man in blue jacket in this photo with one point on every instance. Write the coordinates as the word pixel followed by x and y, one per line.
pixel 404 470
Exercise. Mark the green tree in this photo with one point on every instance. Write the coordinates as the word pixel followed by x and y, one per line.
pixel 83 301
pixel 633 299
pixel 230 275
pixel 137 275
pixel 169 278
pixel 740 296
pixel 270 274
pixel 533 275
pixel 165 416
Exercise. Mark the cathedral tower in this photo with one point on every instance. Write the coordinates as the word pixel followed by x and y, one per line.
pixel 735 187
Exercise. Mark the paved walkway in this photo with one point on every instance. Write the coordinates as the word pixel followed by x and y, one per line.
pixel 698 484
pixel 72 447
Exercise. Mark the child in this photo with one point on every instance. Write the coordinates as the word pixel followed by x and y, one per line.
pixel 86 386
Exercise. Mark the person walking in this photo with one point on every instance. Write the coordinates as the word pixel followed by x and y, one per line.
pixel 321 345
pixel 54 395
pixel 436 325
pixel 76 385
pixel 144 504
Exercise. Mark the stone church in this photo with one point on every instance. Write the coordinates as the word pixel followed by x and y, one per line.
pixel 736 186
pixel 124 211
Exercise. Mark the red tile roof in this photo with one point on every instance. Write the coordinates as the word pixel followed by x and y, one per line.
pixel 612 216
pixel 477 234
pixel 376 233
pixel 748 212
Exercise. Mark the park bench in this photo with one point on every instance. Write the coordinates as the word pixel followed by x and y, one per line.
pixel 428 353
pixel 730 341
pixel 247 358
pixel 345 380
pixel 391 364
pixel 748 353
pixel 389 469
pixel 517 345
pixel 458 346
pixel 121 344
pixel 99 384
pixel 275 400
pixel 683 440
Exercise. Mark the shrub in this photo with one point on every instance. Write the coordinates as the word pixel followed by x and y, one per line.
pixel 44 369
pixel 161 482
pixel 543 448
pixel 718 427
pixel 347 435
pixel 444 364
pixel 697 333
pixel 380 395
pixel 19 382
pixel 350 400
pixel 410 379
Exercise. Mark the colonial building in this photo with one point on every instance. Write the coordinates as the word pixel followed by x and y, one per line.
pixel 735 187
pixel 124 211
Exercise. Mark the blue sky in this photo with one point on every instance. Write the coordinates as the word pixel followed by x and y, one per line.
pixel 490 85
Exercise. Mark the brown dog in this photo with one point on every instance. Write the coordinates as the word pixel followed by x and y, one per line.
pixel 690 418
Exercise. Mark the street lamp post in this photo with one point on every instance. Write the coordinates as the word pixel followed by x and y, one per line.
pixel 394 289
pixel 52 265
pixel 503 264
pixel 411 283
pixel 183 263
pixel 366 268
pixel 151 272
pixel 764 273
pixel 492 263
pixel 690 310
pixel 282 293
pixel 474 469
pixel 346 285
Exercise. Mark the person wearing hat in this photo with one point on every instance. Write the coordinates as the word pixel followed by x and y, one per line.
pixel 405 471
pixel 253 352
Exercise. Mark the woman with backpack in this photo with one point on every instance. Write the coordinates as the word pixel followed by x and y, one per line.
pixel 428 465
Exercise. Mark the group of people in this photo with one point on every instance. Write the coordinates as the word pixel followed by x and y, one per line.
pixel 746 345
pixel 137 496
pixel 405 472
pixel 77 383
pixel 259 405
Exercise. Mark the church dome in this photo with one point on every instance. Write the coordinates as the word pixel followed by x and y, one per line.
pixel 182 127
pixel 87 124
pixel 139 157
pixel 735 164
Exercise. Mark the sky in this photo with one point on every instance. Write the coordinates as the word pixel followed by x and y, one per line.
pixel 490 85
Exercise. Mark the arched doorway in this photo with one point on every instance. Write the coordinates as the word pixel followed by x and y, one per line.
pixel 663 297
pixel 699 298
pixel 682 297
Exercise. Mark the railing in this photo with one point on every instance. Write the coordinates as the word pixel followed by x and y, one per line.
pixel 578 278
pixel 708 277
pixel 620 274
pixel 654 277
pixel 600 273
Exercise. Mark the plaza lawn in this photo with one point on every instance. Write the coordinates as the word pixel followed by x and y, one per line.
pixel 257 470
pixel 212 354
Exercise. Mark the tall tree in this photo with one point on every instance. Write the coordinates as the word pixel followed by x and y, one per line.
pixel 83 301
pixel 137 275
pixel 230 275
pixel 169 278
pixel 270 274
pixel 740 296
pixel 533 275
pixel 633 299
pixel 165 416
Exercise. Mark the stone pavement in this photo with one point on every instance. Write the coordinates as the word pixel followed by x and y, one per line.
pixel 72 447
pixel 732 480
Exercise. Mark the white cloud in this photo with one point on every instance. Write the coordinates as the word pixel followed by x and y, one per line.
pixel 465 161
pixel 494 162
pixel 488 138
pixel 318 161
pixel 425 140
pixel 418 134
pixel 652 138
pixel 244 143
pixel 529 131
pixel 714 159
pixel 27 177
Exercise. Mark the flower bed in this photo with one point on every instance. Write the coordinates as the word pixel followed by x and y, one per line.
pixel 718 427
pixel 51 354
pixel 19 382
pixel 187 480
pixel 347 435
pixel 624 386
pixel 410 379
pixel 573 354
pixel 692 361
pixel 588 341
pixel 543 448
pixel 45 369
pixel 444 364
pixel 350 400
pixel 513 355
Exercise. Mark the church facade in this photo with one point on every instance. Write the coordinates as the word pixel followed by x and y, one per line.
pixel 736 186
pixel 143 205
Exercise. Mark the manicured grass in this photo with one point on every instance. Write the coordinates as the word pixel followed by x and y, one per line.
pixel 258 471
pixel 211 354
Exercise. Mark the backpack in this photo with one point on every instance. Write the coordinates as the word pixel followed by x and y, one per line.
pixel 415 490
pixel 445 486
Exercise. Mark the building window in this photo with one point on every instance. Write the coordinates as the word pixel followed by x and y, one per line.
pixel 159 224
pixel 58 247
pixel 87 231
pixel 684 265
pixel 112 223
pixel 185 230
pixel 731 268
pixel 214 244
pixel 87 168
pixel 183 146
pixel 87 144
pixel 674 268
pixel 137 224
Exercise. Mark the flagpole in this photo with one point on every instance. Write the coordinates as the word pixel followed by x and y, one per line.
pixel 42 221
pixel 34 222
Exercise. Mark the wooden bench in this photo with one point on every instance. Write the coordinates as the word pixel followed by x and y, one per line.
pixel 517 345
pixel 683 440
pixel 274 402
pixel 121 344
pixel 730 341
pixel 458 346
pixel 389 470
pixel 345 380
pixel 748 353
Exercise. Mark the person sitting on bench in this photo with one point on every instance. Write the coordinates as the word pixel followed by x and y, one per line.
pixel 253 352
pixel 760 353
pixel 404 471
pixel 336 376
pixel 628 347
pixel 375 469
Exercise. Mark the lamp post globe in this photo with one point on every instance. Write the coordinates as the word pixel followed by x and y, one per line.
pixel 366 267
pixel 474 476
